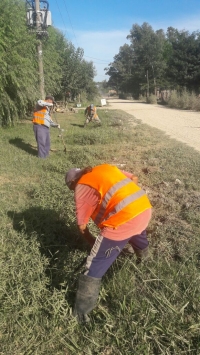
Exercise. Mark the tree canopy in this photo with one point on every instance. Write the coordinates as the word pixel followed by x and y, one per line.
pixel 156 60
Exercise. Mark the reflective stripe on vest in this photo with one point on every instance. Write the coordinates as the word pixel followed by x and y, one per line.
pixel 125 202
pixel 107 197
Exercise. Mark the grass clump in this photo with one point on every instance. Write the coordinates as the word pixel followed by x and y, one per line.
pixel 184 100
pixel 148 309
pixel 151 99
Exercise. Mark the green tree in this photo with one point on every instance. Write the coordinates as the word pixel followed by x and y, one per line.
pixel 53 48
pixel 139 66
pixel 18 82
pixel 183 61
pixel 64 66
pixel 121 70
pixel 148 47
pixel 77 73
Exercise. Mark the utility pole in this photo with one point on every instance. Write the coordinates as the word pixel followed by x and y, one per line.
pixel 147 83
pixel 38 19
pixel 39 49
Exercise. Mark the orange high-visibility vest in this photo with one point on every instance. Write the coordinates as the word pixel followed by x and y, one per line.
pixel 92 111
pixel 38 116
pixel 121 199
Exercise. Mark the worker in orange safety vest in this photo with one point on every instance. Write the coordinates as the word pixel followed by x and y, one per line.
pixel 41 124
pixel 91 115
pixel 121 210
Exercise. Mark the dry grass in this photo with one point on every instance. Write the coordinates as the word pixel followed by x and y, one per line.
pixel 184 101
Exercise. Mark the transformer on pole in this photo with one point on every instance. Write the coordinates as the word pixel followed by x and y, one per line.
pixel 38 19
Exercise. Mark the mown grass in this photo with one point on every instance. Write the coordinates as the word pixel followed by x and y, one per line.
pixel 142 310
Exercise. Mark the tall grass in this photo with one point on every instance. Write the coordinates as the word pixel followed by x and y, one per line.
pixel 184 100
pixel 148 309
pixel 151 99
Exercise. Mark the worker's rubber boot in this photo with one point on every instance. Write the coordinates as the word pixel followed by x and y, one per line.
pixel 86 297
pixel 128 250
pixel 142 254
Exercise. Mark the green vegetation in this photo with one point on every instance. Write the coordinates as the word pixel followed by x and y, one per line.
pixel 184 101
pixel 151 99
pixel 148 309
pixel 156 60
pixel 64 66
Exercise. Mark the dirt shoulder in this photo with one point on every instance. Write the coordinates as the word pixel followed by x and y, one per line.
pixel 181 125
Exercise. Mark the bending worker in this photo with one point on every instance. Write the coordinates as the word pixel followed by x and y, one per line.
pixel 122 211
pixel 41 123
pixel 91 114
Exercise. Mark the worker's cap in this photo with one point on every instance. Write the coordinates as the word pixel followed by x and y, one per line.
pixel 72 175
pixel 50 97
pixel 91 105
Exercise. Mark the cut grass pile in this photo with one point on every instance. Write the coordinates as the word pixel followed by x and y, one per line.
pixel 148 309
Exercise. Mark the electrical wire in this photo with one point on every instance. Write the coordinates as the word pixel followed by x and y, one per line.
pixel 62 18
pixel 70 22
pixel 102 60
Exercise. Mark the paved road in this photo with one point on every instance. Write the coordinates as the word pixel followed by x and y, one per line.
pixel 181 125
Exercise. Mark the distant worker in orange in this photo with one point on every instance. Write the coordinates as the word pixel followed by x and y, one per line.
pixel 41 123
pixel 91 115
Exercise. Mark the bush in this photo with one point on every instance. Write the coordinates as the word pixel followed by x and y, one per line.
pixel 126 96
pixel 86 100
pixel 184 101
pixel 142 98
pixel 152 99
pixel 194 102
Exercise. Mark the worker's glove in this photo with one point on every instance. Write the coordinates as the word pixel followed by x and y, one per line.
pixel 58 126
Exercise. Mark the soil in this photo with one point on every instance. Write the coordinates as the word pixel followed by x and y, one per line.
pixel 179 124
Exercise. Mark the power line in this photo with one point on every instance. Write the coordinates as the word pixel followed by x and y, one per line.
pixel 99 64
pixel 100 75
pixel 102 60
pixel 62 18
pixel 70 22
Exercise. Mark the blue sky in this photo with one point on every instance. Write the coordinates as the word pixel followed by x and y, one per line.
pixel 100 27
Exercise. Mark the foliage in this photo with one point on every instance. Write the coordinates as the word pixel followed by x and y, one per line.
pixel 18 80
pixel 120 70
pixel 53 60
pixel 77 73
pixel 146 309
pixel 139 65
pixel 64 66
pixel 156 60
pixel 184 101
pixel 151 99
pixel 148 52
pixel 183 63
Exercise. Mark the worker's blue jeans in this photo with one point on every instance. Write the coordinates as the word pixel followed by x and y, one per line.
pixel 42 137
pixel 105 251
